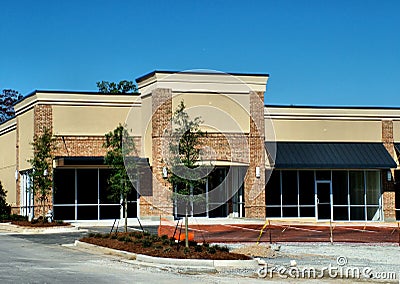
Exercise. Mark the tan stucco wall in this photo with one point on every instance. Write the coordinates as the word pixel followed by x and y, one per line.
pixel 8 164
pixel 396 130
pixel 219 112
pixel 221 83
pixel 26 130
pixel 91 120
pixel 328 130
pixel 146 127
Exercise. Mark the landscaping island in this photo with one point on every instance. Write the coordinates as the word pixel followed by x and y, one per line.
pixel 152 245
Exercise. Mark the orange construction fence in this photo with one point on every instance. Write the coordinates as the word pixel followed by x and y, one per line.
pixel 174 230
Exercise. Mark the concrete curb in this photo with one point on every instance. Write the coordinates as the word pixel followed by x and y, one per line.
pixel 31 230
pixel 187 265
pixel 105 250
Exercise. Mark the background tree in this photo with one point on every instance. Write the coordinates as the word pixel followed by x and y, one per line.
pixel 42 172
pixel 5 208
pixel 120 157
pixel 7 99
pixel 185 145
pixel 116 88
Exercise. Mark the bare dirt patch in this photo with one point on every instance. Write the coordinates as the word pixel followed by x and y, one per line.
pixel 256 250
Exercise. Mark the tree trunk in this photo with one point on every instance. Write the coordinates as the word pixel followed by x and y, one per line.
pixel 186 229
pixel 126 212
pixel 43 210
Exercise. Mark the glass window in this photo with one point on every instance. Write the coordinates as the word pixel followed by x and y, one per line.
pixel 290 211
pixel 306 188
pixel 273 211
pixel 64 212
pixel 356 187
pixel 307 211
pixel 373 213
pixel 373 187
pixel 341 213
pixel 87 182
pixel 357 213
pixel 105 192
pixel 289 188
pixel 323 175
pixel 339 187
pixel 64 186
pixel 273 190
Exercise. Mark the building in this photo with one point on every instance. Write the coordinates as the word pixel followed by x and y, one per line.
pixel 336 163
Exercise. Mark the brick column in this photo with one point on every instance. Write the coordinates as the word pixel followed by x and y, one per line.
pixel 160 203
pixel 254 188
pixel 43 118
pixel 389 194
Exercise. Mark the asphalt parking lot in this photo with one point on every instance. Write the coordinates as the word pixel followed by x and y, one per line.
pixel 40 258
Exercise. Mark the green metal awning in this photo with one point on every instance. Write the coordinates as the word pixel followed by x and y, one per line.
pixel 331 155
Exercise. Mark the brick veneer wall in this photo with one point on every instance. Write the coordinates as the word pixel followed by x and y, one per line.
pixel 231 147
pixel 389 194
pixel 160 204
pixel 254 188
pixel 43 118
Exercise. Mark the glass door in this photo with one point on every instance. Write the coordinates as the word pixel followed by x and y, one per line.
pixel 323 200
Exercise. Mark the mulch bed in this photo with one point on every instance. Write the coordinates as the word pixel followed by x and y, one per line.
pixel 160 247
pixel 39 224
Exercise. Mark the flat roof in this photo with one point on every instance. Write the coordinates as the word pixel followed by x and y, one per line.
pixel 332 107
pixel 148 75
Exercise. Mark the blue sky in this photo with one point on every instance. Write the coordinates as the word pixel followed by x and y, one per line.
pixel 317 52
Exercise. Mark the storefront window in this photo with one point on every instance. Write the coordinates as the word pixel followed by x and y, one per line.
pixel 354 195
pixel 82 194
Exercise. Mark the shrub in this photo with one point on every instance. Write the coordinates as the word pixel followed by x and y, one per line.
pixel 5 208
pixel 211 250
pixel 146 243
pixel 137 235
pixel 98 235
pixel 221 248
pixel 164 237
pixel 158 247
pixel 121 238
pixel 154 238
pixel 91 235
pixel 186 250
pixel 167 249
pixel 146 233
pixel 114 237
pixel 198 248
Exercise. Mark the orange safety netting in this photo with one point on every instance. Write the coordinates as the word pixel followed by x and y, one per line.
pixel 174 230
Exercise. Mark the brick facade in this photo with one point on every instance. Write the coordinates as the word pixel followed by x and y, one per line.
pixel 160 204
pixel 254 187
pixel 43 119
pixel 388 187
pixel 231 147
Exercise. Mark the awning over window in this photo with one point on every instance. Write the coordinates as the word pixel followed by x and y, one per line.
pixel 340 155
pixel 397 147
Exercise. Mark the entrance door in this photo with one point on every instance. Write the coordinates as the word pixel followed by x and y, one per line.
pixel 323 200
